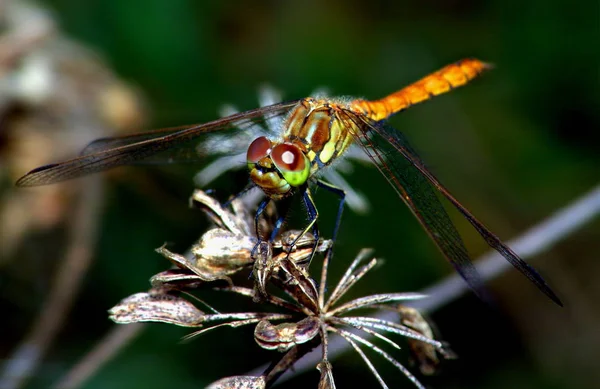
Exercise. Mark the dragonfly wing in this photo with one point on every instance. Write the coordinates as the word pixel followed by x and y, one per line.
pixel 414 183
pixel 103 144
pixel 422 200
pixel 172 145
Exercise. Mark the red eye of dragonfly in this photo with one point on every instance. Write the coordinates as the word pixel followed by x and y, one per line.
pixel 258 149
pixel 288 157
pixel 291 163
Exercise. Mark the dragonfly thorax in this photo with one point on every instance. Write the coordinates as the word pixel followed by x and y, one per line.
pixel 317 126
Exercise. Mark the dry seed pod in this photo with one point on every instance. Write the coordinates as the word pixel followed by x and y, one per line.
pixel 284 336
pixel 178 279
pixel 239 382
pixel 221 251
pixel 236 221
pixel 157 307
pixel 218 254
pixel 425 355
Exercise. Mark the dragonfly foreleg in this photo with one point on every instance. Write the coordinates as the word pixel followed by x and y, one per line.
pixel 259 211
pixel 313 215
pixel 342 195
pixel 276 226
pixel 236 196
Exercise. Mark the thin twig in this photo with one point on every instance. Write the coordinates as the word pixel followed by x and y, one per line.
pixel 534 241
pixel 82 239
pixel 273 372
pixel 107 348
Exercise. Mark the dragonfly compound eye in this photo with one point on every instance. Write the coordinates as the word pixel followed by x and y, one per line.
pixel 258 149
pixel 291 162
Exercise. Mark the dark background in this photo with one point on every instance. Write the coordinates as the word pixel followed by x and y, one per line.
pixel 514 146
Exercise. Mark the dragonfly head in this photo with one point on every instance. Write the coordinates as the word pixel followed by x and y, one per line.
pixel 277 168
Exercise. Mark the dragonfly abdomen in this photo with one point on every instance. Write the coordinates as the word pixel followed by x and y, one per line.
pixel 442 81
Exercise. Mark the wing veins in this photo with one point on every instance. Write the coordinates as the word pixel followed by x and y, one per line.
pixel 399 142
pixel 436 223
pixel 101 154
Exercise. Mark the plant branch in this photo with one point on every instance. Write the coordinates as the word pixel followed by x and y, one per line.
pixel 21 365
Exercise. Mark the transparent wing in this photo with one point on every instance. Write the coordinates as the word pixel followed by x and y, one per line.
pixel 171 145
pixel 406 172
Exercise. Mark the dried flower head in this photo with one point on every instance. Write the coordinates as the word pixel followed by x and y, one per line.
pixel 326 316
pixel 228 248
pixel 304 317
pixel 220 252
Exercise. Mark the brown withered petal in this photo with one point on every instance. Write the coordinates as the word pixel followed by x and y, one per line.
pixel 297 283
pixel 424 354
pixel 176 279
pixel 157 307
pixel 217 255
pixel 239 382
pixel 237 222
pixel 221 251
pixel 284 336
pixel 326 381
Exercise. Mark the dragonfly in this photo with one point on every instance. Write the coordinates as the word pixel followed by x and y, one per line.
pixel 296 140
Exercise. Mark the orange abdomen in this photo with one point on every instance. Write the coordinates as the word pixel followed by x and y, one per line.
pixel 442 81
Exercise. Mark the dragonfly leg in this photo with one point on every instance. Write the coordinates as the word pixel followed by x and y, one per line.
pixel 342 195
pixel 313 215
pixel 237 195
pixel 277 227
pixel 259 211
pixel 262 206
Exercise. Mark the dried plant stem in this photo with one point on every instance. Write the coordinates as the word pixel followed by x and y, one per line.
pixel 534 241
pixel 107 348
pixel 273 372
pixel 81 242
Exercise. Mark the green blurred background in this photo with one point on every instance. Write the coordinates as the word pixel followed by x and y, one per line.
pixel 514 146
